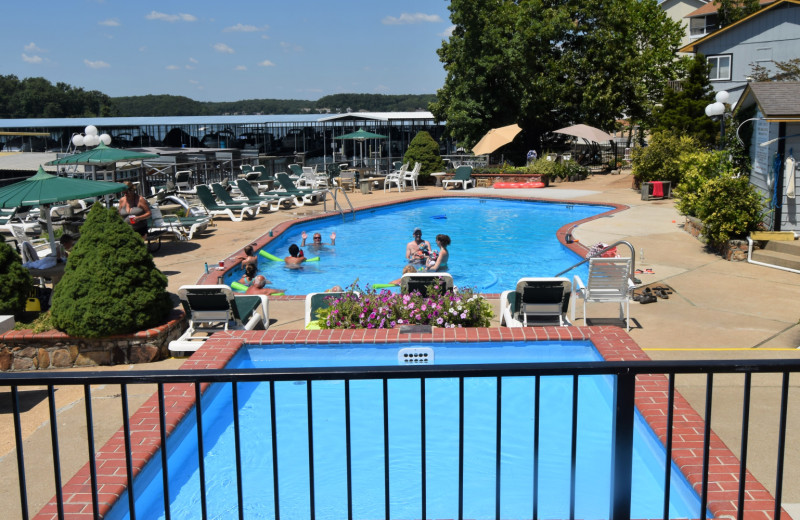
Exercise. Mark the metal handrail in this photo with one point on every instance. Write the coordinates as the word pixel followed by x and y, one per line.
pixel 615 244
pixel 333 191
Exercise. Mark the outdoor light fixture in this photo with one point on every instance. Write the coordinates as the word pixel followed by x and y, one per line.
pixel 719 109
pixel 90 138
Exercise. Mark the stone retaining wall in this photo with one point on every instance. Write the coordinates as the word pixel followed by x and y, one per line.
pixel 733 250
pixel 24 350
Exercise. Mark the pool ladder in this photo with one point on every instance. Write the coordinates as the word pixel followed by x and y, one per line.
pixel 615 244
pixel 336 206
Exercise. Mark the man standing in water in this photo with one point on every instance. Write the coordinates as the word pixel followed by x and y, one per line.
pixel 418 250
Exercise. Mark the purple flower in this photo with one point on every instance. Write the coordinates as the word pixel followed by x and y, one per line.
pixel 439 321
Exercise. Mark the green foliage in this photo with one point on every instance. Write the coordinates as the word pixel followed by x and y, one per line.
pixel 697 169
pixel 371 309
pixel 660 160
pixel 730 207
pixel 110 284
pixel 549 65
pixel 424 150
pixel 37 97
pixel 683 112
pixel 43 323
pixel 15 282
pixel 786 71
pixel 730 11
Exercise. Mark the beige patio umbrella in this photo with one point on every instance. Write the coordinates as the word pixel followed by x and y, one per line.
pixel 587 132
pixel 495 138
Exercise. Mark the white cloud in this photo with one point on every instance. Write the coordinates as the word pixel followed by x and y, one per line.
pixel 193 60
pixel 111 22
pixel 32 47
pixel 31 59
pixel 409 18
pixel 194 82
pixel 240 67
pixel 448 32
pixel 221 47
pixel 96 64
pixel 164 17
pixel 189 67
pixel 244 28
pixel 290 47
pixel 266 63
pixel 172 67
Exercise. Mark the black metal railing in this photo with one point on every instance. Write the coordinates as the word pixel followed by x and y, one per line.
pixel 624 393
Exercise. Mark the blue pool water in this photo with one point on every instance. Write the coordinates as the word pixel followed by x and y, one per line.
pixel 494 243
pixel 593 449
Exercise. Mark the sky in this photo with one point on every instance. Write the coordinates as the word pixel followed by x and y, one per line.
pixel 228 51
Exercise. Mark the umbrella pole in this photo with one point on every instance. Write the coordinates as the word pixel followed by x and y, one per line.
pixel 49 221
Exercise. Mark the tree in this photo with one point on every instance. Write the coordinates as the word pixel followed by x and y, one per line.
pixel 425 150
pixel 730 11
pixel 787 71
pixel 683 111
pixel 15 282
pixel 545 65
pixel 110 284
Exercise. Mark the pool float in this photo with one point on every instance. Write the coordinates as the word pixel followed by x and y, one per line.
pixel 383 285
pixel 236 286
pixel 439 216
pixel 270 256
pixel 527 185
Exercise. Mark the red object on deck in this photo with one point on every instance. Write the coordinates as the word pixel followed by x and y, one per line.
pixel 658 188
pixel 518 185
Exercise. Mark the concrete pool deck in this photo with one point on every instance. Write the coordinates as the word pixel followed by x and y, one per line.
pixel 719 310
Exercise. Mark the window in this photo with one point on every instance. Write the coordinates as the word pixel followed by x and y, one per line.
pixel 720 67
pixel 699 26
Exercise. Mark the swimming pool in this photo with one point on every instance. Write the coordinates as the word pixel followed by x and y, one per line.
pixel 593 450
pixel 495 242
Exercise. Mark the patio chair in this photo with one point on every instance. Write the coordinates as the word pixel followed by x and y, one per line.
pixel 223 196
pixel 211 308
pixel 412 176
pixel 536 301
pixel 183 183
pixel 188 225
pixel 396 178
pixel 609 281
pixel 463 176
pixel 315 302
pixel 215 209
pixel 307 194
pixel 9 218
pixel 272 199
pixel 420 282
pixel 347 179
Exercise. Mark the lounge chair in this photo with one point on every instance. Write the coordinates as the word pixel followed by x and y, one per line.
pixel 9 218
pixel 211 308
pixel 215 209
pixel 420 282
pixel 177 226
pixel 275 199
pixel 536 301
pixel 307 194
pixel 463 176
pixel 609 281
pixel 315 302
pixel 183 182
pixel 223 196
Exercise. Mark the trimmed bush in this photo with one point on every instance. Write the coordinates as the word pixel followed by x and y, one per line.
pixel 697 168
pixel 15 282
pixel 424 150
pixel 730 207
pixel 110 284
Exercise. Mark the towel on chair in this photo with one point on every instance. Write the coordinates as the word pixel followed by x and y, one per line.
pixel 658 188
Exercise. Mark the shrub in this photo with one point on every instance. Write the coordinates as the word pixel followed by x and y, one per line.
pixel 660 160
pixel 730 207
pixel 697 168
pixel 15 282
pixel 424 150
pixel 371 309
pixel 544 168
pixel 110 284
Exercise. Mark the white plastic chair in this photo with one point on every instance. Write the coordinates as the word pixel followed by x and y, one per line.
pixel 396 178
pixel 412 176
pixel 609 281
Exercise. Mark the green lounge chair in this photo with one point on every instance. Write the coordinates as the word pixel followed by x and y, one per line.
pixel 226 198
pixel 308 195
pixel 536 301
pixel 216 209
pixel 278 198
pixel 463 177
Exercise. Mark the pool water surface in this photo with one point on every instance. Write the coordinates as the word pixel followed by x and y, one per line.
pixel 495 242
pixel 404 398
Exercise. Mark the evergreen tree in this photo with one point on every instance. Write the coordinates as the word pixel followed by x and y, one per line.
pixel 424 150
pixel 110 284
pixel 683 111
pixel 15 282
pixel 730 11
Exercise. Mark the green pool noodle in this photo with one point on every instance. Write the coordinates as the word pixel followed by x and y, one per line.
pixel 313 259
pixel 236 286
pixel 270 256
pixel 383 285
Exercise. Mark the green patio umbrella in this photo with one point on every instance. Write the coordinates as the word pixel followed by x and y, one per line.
pixel 103 154
pixel 44 189
pixel 361 135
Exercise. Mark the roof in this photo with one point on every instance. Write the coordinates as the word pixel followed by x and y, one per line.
pixel 711 8
pixel 378 116
pixel 777 100
pixel 692 47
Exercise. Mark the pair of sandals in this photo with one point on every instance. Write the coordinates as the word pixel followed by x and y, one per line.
pixel 651 295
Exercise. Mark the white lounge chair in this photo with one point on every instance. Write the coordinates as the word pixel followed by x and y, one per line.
pixel 315 302
pixel 183 182
pixel 536 301
pixel 410 282
pixel 212 308
pixel 609 281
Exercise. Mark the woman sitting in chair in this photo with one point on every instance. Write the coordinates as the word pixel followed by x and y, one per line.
pixel 134 209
